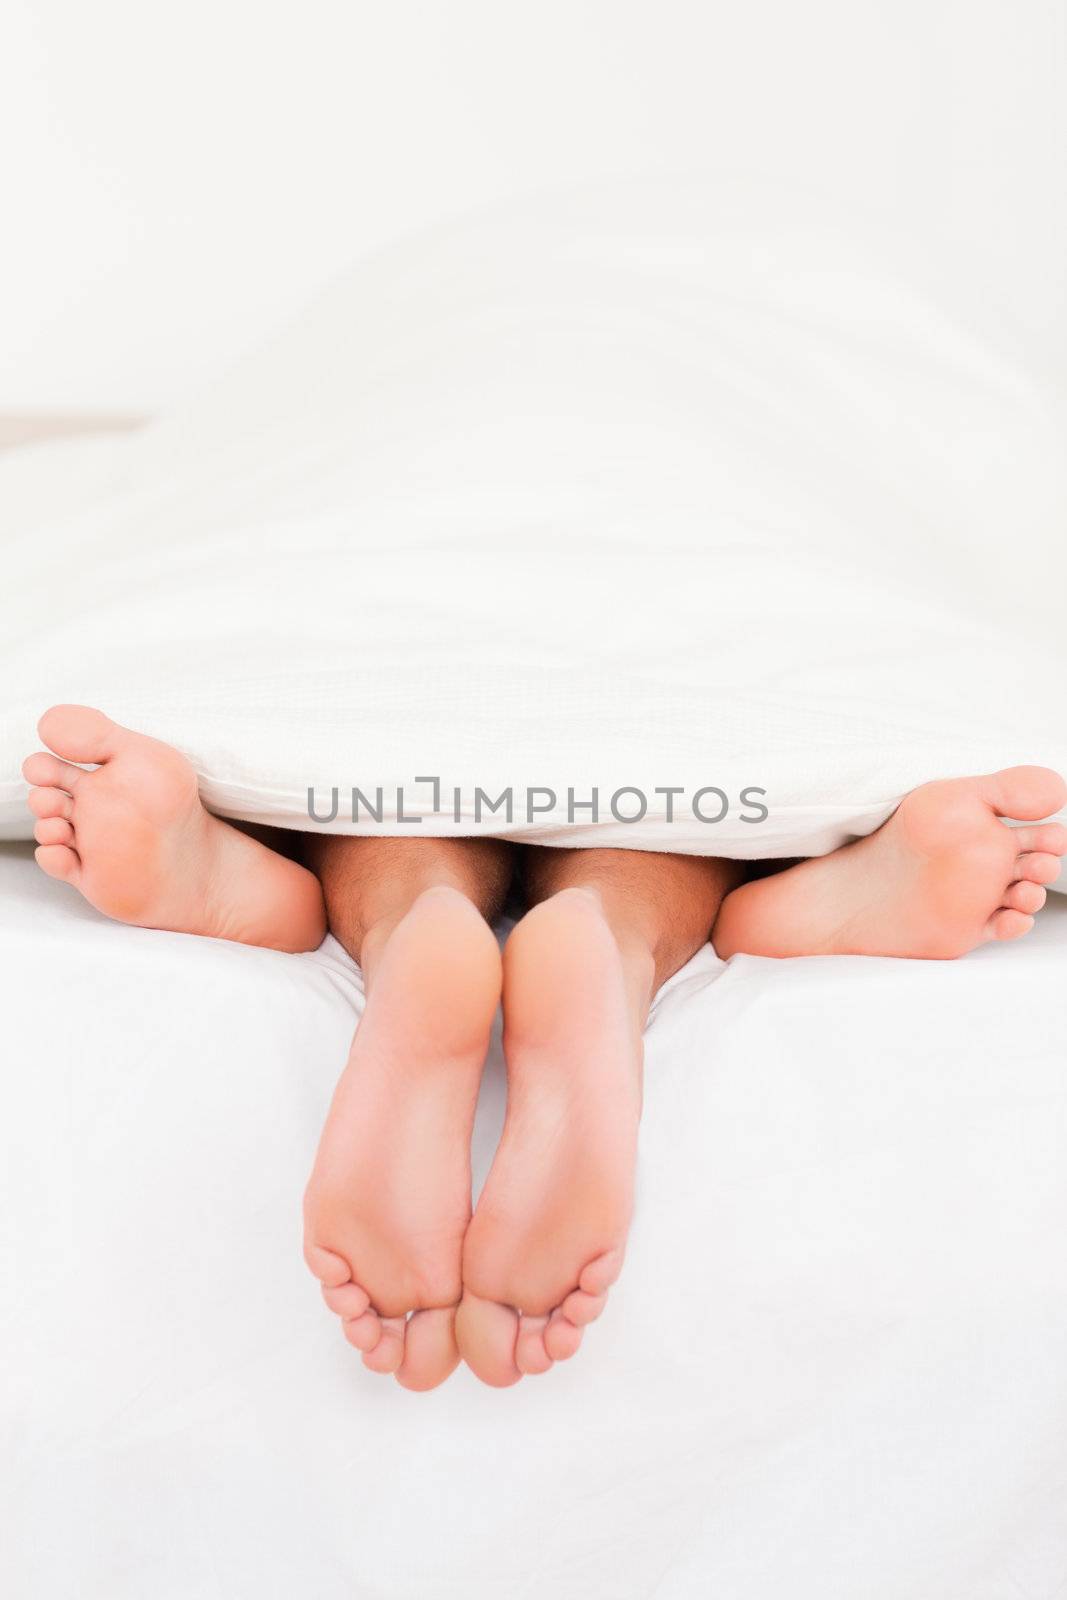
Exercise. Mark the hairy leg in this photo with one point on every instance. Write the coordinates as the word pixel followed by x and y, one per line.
pixel 607 929
pixel 369 884
pixel 389 1198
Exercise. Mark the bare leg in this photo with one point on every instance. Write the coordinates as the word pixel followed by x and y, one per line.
pixel 389 1198
pixel 608 927
pixel 943 875
pixel 370 884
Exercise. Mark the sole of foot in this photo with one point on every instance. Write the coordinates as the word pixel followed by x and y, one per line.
pixel 389 1198
pixel 132 836
pixel 943 875
pixel 549 1232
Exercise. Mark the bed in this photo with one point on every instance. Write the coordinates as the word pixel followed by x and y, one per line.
pixel 835 1366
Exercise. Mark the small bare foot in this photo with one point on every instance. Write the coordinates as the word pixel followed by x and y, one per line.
pixel 547 1238
pixel 389 1199
pixel 943 875
pixel 133 837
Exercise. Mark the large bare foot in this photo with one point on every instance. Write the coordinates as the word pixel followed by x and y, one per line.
pixel 943 875
pixel 547 1238
pixel 389 1199
pixel 134 839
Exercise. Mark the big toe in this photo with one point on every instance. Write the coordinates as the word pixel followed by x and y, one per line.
pixel 486 1333
pixel 80 733
pixel 430 1350
pixel 1028 793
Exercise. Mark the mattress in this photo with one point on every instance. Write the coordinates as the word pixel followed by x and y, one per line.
pixel 835 1365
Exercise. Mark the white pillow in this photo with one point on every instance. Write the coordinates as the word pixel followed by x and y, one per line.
pixel 636 487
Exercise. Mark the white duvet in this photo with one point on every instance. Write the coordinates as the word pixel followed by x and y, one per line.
pixel 638 487
pixel 834 1367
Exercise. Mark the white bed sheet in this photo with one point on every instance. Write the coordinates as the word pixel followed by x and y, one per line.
pixel 836 1365
pixel 641 484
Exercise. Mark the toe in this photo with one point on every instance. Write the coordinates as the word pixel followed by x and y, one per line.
pixel 486 1333
pixel 530 1353
pixel 59 861
pixel 1025 897
pixel 430 1350
pixel 1050 838
pixel 53 830
pixel 50 803
pixel 600 1274
pixel 348 1300
pixel 79 733
pixel 388 1352
pixel 364 1332
pixel 1037 866
pixel 43 769
pixel 562 1338
pixel 330 1268
pixel 1008 925
pixel 581 1308
pixel 1028 793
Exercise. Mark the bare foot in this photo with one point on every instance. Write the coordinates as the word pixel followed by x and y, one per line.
pixel 547 1238
pixel 389 1199
pixel 134 838
pixel 943 875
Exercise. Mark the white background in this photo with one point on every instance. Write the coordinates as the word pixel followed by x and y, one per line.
pixel 175 178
